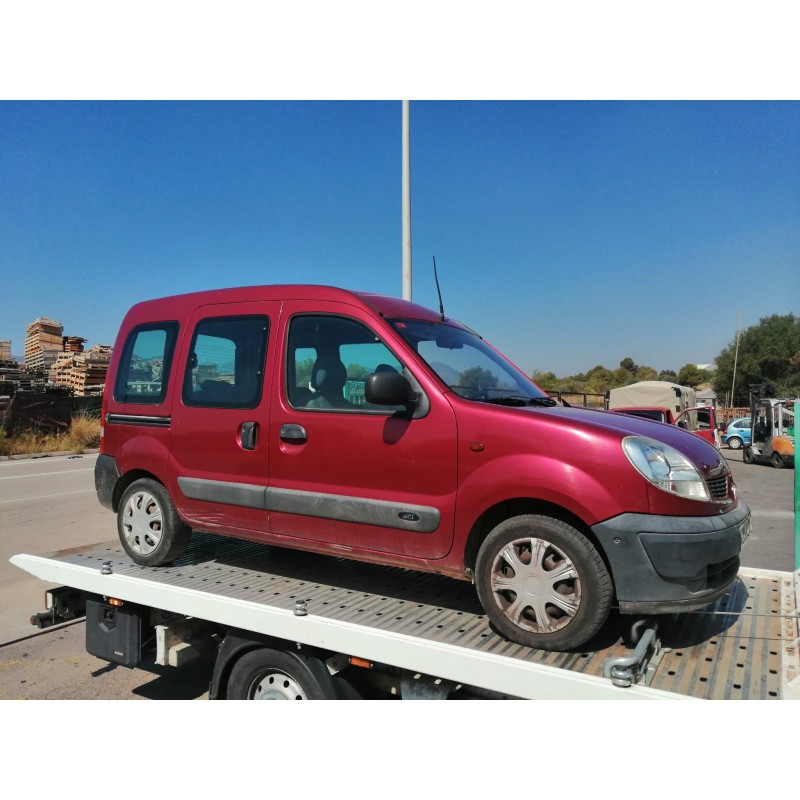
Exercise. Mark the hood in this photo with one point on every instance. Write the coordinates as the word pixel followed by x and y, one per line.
pixel 614 425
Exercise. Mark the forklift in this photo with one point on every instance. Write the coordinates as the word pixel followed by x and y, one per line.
pixel 771 429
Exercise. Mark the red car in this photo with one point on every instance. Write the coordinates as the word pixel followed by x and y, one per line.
pixel 371 428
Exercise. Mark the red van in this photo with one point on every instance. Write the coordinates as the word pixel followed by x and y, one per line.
pixel 371 428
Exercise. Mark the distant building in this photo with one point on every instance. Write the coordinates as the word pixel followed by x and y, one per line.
pixel 5 350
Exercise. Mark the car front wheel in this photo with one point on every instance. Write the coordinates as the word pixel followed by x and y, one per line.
pixel 542 583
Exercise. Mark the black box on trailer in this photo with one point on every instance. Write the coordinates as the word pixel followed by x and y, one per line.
pixel 114 633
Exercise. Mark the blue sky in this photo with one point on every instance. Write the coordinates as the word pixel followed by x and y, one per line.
pixel 568 233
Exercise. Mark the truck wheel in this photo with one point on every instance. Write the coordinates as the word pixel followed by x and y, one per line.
pixel 734 443
pixel 777 461
pixel 747 455
pixel 149 527
pixel 266 674
pixel 542 583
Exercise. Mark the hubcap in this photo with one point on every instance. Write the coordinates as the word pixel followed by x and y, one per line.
pixel 142 522
pixel 535 585
pixel 276 686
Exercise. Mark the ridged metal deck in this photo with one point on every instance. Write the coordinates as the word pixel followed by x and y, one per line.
pixel 730 650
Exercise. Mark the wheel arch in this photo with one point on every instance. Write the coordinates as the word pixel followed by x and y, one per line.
pixel 516 507
pixel 237 644
pixel 126 480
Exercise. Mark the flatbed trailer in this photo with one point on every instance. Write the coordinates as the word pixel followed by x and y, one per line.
pixel 362 630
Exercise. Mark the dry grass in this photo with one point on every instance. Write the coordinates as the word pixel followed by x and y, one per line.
pixel 83 434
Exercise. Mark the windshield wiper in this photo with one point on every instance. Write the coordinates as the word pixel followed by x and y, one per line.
pixel 521 400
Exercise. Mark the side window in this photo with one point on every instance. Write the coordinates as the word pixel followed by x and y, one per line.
pixel 226 363
pixel 329 360
pixel 144 367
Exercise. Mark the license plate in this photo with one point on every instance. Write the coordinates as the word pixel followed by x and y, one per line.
pixel 745 530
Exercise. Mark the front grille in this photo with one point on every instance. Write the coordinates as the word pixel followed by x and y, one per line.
pixel 718 487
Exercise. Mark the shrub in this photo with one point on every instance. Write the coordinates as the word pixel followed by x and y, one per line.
pixel 83 434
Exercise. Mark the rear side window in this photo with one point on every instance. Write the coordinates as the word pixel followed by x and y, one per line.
pixel 226 362
pixel 144 367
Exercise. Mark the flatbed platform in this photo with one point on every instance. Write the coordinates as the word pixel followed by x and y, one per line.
pixel 744 646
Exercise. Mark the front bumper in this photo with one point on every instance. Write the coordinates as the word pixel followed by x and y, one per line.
pixel 662 565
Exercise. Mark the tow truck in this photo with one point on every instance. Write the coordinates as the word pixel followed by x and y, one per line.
pixel 281 624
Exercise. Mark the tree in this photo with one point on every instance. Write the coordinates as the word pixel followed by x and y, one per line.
pixel 768 353
pixel 357 372
pixel 646 374
pixel 692 375
pixel 599 380
pixel 546 380
pixel 477 378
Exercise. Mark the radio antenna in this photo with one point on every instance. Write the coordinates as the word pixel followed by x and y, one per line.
pixel 438 290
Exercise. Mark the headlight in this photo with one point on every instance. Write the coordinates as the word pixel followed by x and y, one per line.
pixel 665 467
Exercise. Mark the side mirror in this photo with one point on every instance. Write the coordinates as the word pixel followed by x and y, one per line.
pixel 389 389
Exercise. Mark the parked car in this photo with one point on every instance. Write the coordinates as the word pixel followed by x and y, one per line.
pixel 737 434
pixel 371 428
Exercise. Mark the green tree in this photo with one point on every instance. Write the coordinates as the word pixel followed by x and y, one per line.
pixel 303 372
pixel 478 378
pixel 691 375
pixel 646 374
pixel 768 353
pixel 357 372
pixel 599 380
pixel 546 380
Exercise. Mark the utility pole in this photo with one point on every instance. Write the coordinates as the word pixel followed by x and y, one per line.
pixel 735 359
pixel 406 202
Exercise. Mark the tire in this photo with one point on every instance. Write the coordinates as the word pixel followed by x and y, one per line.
pixel 747 455
pixel 777 461
pixel 515 576
pixel 735 443
pixel 266 674
pixel 148 524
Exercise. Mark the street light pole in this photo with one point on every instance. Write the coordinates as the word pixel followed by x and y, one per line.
pixel 406 202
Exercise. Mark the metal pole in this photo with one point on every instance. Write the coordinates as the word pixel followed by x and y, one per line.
pixel 735 359
pixel 406 202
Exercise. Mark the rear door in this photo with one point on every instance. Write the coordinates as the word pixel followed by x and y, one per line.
pixel 346 474
pixel 219 453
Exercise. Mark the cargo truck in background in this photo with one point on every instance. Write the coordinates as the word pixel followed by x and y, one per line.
pixel 666 402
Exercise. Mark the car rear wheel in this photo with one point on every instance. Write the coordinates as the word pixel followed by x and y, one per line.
pixel 777 461
pixel 542 583
pixel 734 443
pixel 149 527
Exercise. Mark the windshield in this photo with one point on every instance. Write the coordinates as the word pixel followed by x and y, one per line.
pixel 468 365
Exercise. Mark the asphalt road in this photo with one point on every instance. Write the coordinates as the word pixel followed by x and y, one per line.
pixel 49 504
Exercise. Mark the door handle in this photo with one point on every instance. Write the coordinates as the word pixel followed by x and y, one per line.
pixel 293 433
pixel 249 435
